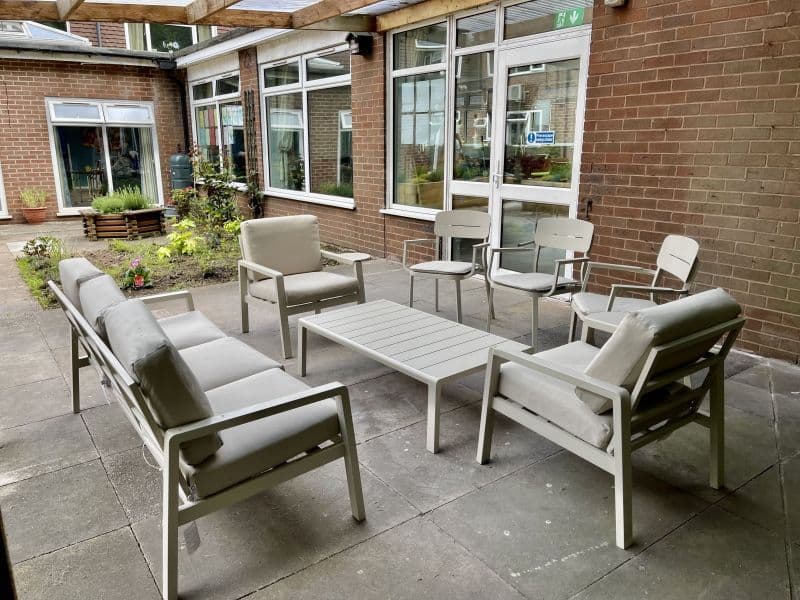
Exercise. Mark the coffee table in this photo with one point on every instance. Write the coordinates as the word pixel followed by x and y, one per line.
pixel 426 347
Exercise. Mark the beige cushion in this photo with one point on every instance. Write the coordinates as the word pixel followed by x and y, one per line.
pixel 72 272
pixel 621 359
pixel 190 329
pixel 97 295
pixel 443 267
pixel 587 303
pixel 258 446
pixel 171 391
pixel 532 282
pixel 222 361
pixel 286 244
pixel 307 287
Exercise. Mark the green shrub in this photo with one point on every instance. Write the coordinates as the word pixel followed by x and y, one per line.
pixel 108 205
pixel 126 198
pixel 39 265
pixel 33 197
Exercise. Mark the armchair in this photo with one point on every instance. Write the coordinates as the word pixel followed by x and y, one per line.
pixel 602 404
pixel 282 264
pixel 677 257
pixel 468 224
pixel 572 235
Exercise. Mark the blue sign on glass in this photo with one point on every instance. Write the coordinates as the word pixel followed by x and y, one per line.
pixel 540 137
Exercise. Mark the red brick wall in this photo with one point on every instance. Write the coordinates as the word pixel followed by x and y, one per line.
pixel 693 128
pixel 25 153
pixel 112 35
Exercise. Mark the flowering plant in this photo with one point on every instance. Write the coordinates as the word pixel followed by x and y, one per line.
pixel 137 276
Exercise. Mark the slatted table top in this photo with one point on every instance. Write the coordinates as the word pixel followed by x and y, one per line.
pixel 424 346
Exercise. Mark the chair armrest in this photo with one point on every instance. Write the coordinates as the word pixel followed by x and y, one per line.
pixel 560 262
pixel 566 374
pixel 260 269
pixel 618 287
pixel 184 295
pixel 175 436
pixel 514 249
pixel 348 258
pixel 407 243
pixel 614 267
pixel 479 248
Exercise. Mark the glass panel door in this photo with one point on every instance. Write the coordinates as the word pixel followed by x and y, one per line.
pixel 81 164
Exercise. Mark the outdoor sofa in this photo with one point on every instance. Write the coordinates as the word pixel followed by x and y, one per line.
pixel 223 421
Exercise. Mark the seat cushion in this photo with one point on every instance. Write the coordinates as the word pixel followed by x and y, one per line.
pixel 97 295
pixel 172 393
pixel 286 244
pixel 72 272
pixel 586 303
pixel 443 267
pixel 253 448
pixel 190 329
pixel 307 287
pixel 532 282
pixel 555 401
pixel 222 361
pixel 620 361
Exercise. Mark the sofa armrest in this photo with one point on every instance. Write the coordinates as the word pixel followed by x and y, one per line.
pixel 260 269
pixel 348 258
pixel 184 295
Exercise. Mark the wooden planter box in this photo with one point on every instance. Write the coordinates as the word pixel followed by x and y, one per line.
pixel 130 224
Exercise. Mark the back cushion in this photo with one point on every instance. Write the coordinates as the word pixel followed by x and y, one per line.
pixel 73 272
pixel 621 359
pixel 287 244
pixel 97 295
pixel 171 390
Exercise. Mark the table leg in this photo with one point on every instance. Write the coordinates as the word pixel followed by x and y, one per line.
pixel 434 395
pixel 302 342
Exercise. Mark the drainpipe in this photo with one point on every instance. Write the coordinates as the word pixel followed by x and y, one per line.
pixel 97 33
pixel 170 68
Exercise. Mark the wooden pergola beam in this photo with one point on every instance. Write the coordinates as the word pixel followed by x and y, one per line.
pixel 430 9
pixel 66 8
pixel 203 9
pixel 326 9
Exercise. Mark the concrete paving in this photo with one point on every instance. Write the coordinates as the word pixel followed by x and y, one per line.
pixel 81 501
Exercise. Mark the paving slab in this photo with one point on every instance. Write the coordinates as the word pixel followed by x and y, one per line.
pixel 412 561
pixel 787 411
pixel 91 390
pixel 110 429
pixel 548 530
pixel 253 543
pixel 137 482
pixel 42 447
pixel 29 367
pixel 431 480
pixel 54 327
pixel 715 555
pixel 108 567
pixel 13 342
pixel 59 509
pixel 33 402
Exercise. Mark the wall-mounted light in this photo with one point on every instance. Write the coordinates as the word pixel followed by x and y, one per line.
pixel 359 44
pixel 615 3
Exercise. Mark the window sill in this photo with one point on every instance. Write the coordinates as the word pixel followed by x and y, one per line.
pixel 346 203
pixel 68 213
pixel 419 216
pixel 5 217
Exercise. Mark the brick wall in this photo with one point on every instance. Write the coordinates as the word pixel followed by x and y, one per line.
pixel 112 35
pixel 692 128
pixel 25 153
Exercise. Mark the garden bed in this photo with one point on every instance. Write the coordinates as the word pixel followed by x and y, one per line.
pixel 129 224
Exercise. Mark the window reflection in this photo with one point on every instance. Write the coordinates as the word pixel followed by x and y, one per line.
pixel 473 116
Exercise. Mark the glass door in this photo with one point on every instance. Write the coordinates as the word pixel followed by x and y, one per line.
pixel 537 134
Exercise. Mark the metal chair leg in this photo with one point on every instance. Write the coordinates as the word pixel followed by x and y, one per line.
pixel 458 300
pixel 411 291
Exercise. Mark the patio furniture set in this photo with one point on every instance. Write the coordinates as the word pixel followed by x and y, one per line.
pixel 225 422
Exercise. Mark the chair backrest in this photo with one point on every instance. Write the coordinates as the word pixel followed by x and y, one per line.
pixel 469 224
pixel 678 257
pixel 685 329
pixel 564 234
pixel 287 244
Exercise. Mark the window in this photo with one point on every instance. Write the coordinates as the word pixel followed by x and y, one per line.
pixel 219 123
pixel 309 127
pixel 3 203
pixel 100 146
pixel 160 37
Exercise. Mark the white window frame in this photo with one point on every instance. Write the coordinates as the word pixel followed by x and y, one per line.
pixel 303 86
pixel 450 65
pixel 217 101
pixel 3 199
pixel 148 43
pixel 52 123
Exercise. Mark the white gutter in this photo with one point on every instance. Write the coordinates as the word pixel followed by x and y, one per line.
pixel 252 38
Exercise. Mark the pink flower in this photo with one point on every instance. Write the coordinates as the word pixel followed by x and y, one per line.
pixel 138 281
pixel 136 262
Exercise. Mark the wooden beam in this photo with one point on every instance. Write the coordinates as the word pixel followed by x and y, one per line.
pixel 231 17
pixel 326 9
pixel 66 8
pixel 430 9
pixel 128 13
pixel 356 23
pixel 24 10
pixel 202 9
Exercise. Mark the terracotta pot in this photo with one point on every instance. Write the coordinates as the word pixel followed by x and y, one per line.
pixel 35 215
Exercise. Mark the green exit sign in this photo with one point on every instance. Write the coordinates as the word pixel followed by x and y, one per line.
pixel 568 18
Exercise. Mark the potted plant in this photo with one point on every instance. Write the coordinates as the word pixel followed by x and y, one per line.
pixel 126 213
pixel 33 204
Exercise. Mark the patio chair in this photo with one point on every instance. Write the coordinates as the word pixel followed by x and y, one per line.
pixel 601 404
pixel 572 235
pixel 449 224
pixel 677 257
pixel 282 264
